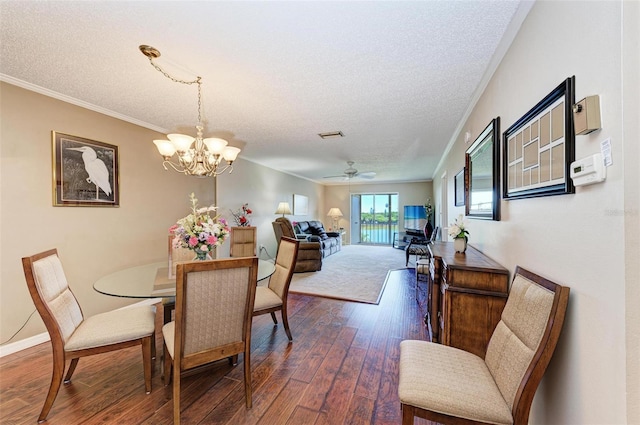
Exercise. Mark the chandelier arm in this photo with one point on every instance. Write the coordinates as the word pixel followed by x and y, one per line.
pixel 174 166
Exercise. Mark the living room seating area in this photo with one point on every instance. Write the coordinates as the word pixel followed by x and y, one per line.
pixel 315 242
pixel 330 242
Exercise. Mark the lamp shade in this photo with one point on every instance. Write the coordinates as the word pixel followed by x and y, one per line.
pixel 283 208
pixel 335 212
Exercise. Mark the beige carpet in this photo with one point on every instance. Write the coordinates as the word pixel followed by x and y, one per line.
pixel 356 273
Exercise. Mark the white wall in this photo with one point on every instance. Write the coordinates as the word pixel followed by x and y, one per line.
pixel 577 240
pixel 264 188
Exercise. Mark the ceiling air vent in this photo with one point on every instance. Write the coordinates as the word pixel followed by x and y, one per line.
pixel 331 135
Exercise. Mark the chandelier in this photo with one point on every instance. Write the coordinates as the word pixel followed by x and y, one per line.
pixel 196 156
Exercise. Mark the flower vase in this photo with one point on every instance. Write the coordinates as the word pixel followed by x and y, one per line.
pixel 460 245
pixel 202 256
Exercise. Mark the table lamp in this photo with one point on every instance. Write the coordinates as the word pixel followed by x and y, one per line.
pixel 283 208
pixel 335 214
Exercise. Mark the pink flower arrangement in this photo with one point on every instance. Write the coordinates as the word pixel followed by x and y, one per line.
pixel 198 231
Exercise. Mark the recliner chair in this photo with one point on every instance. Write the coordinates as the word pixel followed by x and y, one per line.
pixel 309 253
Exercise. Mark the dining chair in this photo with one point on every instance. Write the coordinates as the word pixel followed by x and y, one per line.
pixel 450 386
pixel 243 241
pixel 214 302
pixel 73 335
pixel 176 256
pixel 273 297
pixel 418 247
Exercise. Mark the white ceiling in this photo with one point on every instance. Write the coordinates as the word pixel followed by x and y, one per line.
pixel 395 77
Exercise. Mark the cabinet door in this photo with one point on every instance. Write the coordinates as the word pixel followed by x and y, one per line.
pixel 470 319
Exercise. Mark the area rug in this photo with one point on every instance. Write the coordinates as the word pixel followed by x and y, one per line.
pixel 356 273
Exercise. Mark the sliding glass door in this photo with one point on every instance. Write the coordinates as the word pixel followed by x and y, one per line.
pixel 374 218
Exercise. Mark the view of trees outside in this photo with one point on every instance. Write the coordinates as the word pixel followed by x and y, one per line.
pixel 378 217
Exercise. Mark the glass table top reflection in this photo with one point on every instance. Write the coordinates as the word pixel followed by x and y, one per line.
pixel 140 281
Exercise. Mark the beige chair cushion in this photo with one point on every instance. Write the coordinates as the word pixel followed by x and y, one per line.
pixel 113 327
pixel 266 298
pixel 518 334
pixel 52 285
pixel 450 381
pixel 168 333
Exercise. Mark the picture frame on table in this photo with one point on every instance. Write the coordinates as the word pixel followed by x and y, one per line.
pixel 540 147
pixel 85 172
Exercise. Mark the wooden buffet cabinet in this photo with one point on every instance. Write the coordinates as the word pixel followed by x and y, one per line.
pixel 466 294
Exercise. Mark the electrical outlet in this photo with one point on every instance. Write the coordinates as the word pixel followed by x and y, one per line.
pixel 261 247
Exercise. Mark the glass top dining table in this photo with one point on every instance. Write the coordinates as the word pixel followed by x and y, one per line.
pixel 139 281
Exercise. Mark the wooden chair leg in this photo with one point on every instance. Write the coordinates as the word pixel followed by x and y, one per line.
pixel 56 382
pixel 233 360
pixel 285 323
pixel 153 350
pixel 166 374
pixel 176 396
pixel 247 377
pixel 72 368
pixel 147 362
pixel 273 316
pixel 407 414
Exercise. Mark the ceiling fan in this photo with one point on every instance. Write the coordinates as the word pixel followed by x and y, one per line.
pixel 351 173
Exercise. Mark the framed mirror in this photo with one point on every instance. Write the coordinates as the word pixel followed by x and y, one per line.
pixel 482 174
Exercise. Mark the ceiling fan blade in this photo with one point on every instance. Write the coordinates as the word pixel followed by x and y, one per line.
pixel 334 177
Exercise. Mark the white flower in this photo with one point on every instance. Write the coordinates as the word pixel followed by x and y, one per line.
pixel 457 229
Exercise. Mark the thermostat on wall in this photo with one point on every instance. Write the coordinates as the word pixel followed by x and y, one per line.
pixel 588 170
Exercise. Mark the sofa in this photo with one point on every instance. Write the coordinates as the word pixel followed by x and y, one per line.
pixel 312 248
pixel 330 242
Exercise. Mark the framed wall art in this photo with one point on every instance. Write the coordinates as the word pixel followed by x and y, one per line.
pixel 85 172
pixel 300 205
pixel 458 188
pixel 540 147
pixel 482 174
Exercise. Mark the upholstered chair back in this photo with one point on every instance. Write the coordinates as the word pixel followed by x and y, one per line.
pixel 286 227
pixel 518 335
pixel 56 296
pixel 285 261
pixel 215 308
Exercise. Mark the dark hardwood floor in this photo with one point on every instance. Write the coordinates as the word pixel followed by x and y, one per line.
pixel 341 368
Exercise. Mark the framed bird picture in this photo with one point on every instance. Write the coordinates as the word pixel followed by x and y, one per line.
pixel 85 172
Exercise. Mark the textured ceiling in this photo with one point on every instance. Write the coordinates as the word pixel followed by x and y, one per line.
pixel 395 77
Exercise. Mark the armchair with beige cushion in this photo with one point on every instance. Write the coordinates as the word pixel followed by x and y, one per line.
pixel 451 386
pixel 73 335
pixel 309 253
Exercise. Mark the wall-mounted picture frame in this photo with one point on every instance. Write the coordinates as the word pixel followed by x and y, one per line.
pixel 482 174
pixel 540 147
pixel 300 205
pixel 85 172
pixel 458 188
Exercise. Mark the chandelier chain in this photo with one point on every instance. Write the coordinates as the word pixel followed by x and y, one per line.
pixel 175 80
pixel 197 81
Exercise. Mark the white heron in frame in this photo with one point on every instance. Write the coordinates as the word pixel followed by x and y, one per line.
pixel 98 173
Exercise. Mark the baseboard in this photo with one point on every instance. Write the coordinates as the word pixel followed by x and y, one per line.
pixel 23 344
